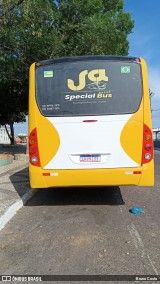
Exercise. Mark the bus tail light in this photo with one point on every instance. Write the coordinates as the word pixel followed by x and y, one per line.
pixel 147 152
pixel 33 149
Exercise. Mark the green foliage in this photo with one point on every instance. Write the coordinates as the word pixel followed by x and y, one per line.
pixel 22 137
pixel 94 27
pixel 32 30
pixel 26 35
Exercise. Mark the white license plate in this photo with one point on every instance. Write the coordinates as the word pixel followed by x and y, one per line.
pixel 90 158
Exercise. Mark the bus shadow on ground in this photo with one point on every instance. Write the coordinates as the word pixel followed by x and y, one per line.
pixel 77 196
pixel 106 195
pixel 20 181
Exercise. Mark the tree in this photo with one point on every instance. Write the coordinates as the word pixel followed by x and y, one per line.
pixel 10 110
pixel 26 36
pixel 94 27
pixel 32 30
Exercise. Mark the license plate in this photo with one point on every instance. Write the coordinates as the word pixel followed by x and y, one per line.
pixel 90 158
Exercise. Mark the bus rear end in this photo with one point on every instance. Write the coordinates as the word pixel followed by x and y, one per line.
pixel 90 122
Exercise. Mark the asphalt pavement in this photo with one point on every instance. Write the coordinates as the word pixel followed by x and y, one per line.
pixel 83 231
pixel 15 190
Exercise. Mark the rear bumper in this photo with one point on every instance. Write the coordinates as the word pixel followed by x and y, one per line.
pixel 141 176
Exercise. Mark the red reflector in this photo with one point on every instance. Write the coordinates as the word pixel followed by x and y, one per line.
pixel 137 172
pixel 45 174
pixel 89 120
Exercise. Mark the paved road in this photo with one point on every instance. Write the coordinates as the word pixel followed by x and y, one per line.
pixel 85 231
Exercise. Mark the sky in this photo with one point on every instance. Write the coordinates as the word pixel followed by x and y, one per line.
pixel 144 42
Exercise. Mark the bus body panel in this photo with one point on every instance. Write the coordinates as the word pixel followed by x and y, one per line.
pixel 78 138
pixel 117 138
pixel 91 177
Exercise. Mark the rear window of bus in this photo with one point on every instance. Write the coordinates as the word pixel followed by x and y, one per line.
pixel 88 88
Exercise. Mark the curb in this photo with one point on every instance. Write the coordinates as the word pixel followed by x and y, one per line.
pixel 12 210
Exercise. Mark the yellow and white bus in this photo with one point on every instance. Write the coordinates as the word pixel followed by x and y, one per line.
pixel 90 122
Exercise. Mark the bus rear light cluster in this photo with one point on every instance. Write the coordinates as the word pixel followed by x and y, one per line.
pixel 147 152
pixel 33 149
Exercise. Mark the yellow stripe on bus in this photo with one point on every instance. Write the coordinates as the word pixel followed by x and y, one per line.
pixel 132 136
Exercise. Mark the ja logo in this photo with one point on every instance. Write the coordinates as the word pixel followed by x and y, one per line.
pixel 95 75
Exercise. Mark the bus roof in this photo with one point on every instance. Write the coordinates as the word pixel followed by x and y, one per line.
pixel 89 58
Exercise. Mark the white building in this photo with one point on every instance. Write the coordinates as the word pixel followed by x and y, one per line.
pixel 4 139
